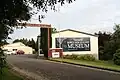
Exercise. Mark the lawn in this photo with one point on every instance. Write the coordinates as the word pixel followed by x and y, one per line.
pixel 8 75
pixel 101 64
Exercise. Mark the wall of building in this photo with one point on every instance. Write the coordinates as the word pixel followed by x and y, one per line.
pixel 26 49
pixel 93 42
pixel 18 46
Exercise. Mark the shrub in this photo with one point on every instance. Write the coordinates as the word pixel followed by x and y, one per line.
pixel 74 56
pixel 116 57
pixel 2 60
pixel 87 57
pixel 67 57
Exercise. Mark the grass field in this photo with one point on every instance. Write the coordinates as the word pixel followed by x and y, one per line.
pixel 8 75
pixel 101 64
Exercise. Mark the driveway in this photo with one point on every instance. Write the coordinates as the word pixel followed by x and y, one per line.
pixel 59 71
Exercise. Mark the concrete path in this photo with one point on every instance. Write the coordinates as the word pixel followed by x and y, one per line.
pixel 58 71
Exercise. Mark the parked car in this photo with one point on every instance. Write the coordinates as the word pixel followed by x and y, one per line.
pixel 19 52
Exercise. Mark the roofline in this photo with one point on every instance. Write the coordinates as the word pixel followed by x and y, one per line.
pixel 77 32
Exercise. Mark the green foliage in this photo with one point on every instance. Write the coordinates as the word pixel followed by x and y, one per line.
pixel 116 34
pixel 109 49
pixel 103 37
pixel 15 11
pixel 116 57
pixel 44 41
pixel 108 44
pixel 12 12
pixel 67 56
pixel 73 56
pixel 101 52
pixel 30 42
pixel 2 60
pixel 54 30
pixel 113 44
pixel 9 75
pixel 87 57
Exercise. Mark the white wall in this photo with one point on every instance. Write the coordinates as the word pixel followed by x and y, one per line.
pixel 93 42
pixel 19 46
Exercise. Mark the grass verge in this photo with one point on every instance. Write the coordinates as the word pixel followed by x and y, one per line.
pixel 95 64
pixel 8 75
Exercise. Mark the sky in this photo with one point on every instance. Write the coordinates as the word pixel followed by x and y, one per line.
pixel 84 15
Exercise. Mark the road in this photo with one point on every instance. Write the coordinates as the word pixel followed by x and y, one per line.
pixel 58 71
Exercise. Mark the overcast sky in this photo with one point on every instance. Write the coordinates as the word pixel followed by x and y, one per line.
pixel 84 15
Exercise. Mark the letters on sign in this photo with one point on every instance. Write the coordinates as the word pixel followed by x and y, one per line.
pixel 73 44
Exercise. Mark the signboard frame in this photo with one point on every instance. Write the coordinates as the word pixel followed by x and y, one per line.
pixel 73 43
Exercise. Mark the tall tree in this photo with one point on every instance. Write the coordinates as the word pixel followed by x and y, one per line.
pixel 103 38
pixel 16 40
pixel 14 11
pixel 33 43
pixel 113 44
pixel 27 42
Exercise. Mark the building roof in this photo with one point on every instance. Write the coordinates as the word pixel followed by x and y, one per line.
pixel 77 32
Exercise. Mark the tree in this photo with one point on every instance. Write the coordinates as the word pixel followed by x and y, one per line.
pixel 33 43
pixel 27 42
pixel 113 44
pixel 54 30
pixel 116 57
pixel 116 34
pixel 36 45
pixel 103 37
pixel 16 40
pixel 15 11
pixel 12 12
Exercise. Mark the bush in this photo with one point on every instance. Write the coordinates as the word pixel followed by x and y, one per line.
pixel 87 57
pixel 74 56
pixel 116 57
pixel 68 57
pixel 2 60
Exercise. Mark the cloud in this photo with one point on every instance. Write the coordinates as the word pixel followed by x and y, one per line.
pixel 86 15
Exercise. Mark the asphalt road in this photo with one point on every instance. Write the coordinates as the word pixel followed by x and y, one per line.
pixel 58 71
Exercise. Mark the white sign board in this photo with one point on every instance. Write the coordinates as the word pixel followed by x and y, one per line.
pixel 55 55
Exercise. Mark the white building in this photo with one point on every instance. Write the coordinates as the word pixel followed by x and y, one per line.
pixel 18 46
pixel 75 42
